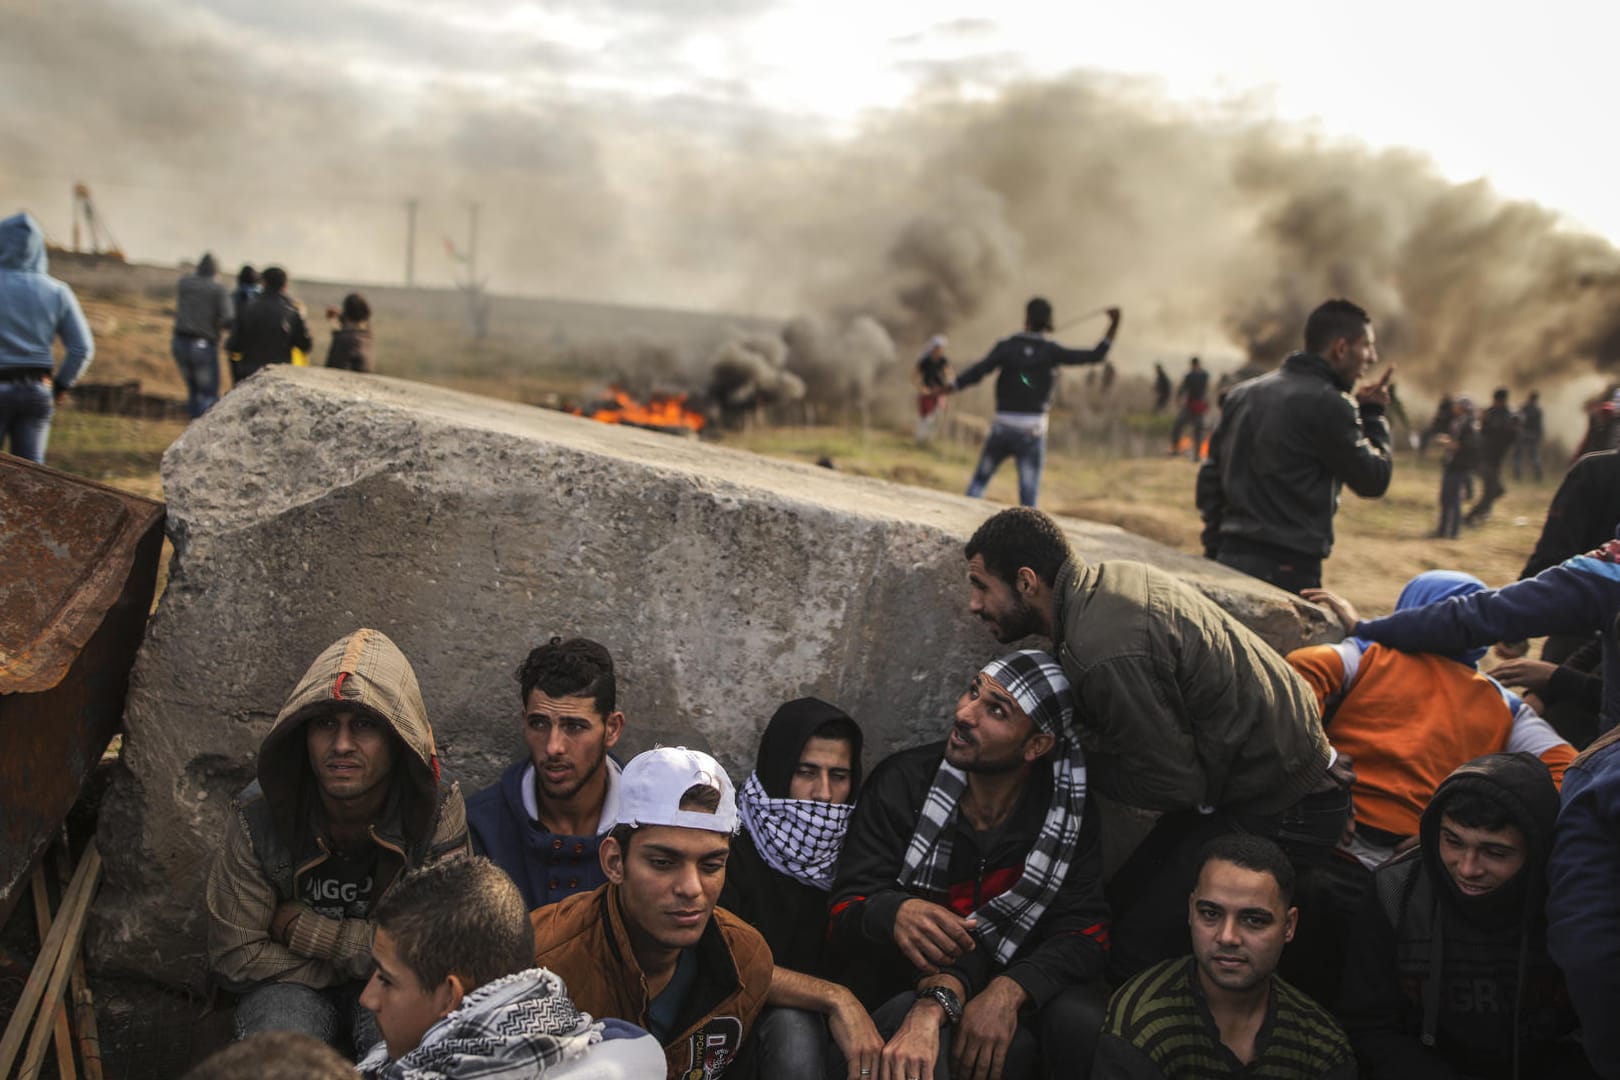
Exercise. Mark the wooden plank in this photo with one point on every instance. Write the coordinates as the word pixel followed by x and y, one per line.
pixel 76 902
pixel 74 917
pixel 64 1034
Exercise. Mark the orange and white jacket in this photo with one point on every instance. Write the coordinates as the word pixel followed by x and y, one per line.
pixel 1408 719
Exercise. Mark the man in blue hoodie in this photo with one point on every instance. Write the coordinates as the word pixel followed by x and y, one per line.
pixel 35 309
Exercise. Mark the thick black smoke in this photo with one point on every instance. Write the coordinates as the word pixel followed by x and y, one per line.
pixel 1214 232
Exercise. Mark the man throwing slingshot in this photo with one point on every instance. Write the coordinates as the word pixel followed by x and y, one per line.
pixel 1028 364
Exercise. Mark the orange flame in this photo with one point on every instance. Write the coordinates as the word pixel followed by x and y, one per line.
pixel 663 411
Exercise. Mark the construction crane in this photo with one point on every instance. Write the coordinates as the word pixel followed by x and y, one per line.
pixel 101 237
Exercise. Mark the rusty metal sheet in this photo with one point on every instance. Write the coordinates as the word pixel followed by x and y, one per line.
pixel 78 564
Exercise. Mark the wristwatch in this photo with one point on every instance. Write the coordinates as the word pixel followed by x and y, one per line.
pixel 947 1000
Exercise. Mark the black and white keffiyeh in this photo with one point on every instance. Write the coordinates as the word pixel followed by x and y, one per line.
pixel 517 1026
pixel 1038 684
pixel 797 837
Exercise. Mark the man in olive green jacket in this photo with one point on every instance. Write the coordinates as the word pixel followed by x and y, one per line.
pixel 1182 710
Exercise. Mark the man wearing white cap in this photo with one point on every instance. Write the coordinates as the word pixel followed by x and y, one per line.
pixel 971 884
pixel 650 946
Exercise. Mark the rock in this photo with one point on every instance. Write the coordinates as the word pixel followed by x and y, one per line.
pixel 310 502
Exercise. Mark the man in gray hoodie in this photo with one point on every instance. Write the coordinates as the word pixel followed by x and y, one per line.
pixel 35 309
pixel 202 311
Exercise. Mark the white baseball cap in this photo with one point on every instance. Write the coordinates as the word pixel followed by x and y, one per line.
pixel 651 786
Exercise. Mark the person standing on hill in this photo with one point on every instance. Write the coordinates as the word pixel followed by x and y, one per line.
pixel 1286 443
pixel 35 309
pixel 1161 388
pixel 1527 450
pixel 270 329
pixel 351 341
pixel 931 375
pixel 1498 432
pixel 1193 393
pixel 202 311
pixel 1028 363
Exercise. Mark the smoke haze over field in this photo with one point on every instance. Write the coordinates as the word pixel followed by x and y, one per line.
pixel 209 127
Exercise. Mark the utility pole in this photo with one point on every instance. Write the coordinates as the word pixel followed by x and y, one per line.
pixel 472 242
pixel 410 244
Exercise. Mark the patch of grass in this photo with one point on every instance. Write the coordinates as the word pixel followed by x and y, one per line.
pixel 113 449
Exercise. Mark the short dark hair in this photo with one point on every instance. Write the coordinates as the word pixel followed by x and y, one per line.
pixel 355 308
pixel 577 667
pixel 1499 394
pixel 460 916
pixel 1476 810
pixel 274 1055
pixel 1038 314
pixel 1333 320
pixel 1020 536
pixel 274 279
pixel 247 275
pixel 1252 853
pixel 840 729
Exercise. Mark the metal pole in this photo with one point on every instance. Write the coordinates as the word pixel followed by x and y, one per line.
pixel 410 244
pixel 472 243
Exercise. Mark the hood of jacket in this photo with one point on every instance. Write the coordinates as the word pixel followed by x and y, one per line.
pixel 1433 586
pixel 206 267
pixel 362 672
pixel 1519 781
pixel 22 244
pixel 790 728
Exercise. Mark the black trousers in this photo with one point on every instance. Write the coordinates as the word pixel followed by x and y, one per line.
pixel 1057 1041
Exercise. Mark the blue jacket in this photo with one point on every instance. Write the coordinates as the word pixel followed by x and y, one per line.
pixel 547 867
pixel 35 308
pixel 1578 596
pixel 1583 880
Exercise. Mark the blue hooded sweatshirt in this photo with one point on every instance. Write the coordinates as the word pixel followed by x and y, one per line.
pixel 1432 586
pixel 35 308
pixel 1578 596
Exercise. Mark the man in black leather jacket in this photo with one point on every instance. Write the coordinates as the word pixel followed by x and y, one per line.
pixel 1286 443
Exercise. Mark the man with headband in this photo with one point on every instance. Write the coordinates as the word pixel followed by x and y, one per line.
pixel 970 888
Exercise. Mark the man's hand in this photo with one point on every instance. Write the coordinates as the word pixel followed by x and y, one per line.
pixel 1533 675
pixel 911 1053
pixel 281 922
pixel 1342 609
pixel 931 936
pixel 989 1022
pixel 856 1036
pixel 1377 393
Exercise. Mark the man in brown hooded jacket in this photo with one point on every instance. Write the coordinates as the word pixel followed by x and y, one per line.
pixel 349 795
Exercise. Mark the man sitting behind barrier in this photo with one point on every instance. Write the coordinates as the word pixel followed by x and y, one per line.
pixel 969 891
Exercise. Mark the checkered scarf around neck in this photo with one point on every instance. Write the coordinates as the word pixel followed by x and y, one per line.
pixel 515 1027
pixel 1038 684
pixel 796 837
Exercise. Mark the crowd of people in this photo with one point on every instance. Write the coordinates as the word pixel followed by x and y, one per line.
pixel 258 323
pixel 1359 861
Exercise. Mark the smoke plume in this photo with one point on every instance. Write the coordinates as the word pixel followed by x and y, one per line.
pixel 1215 231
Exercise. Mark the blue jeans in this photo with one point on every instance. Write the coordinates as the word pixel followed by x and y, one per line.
pixel 198 361
pixel 1026 448
pixel 25 418
pixel 1453 486
pixel 331 1015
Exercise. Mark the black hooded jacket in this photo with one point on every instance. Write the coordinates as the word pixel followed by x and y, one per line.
pixel 790 915
pixel 1440 984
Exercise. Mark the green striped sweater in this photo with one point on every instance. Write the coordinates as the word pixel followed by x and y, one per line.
pixel 1159 1026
